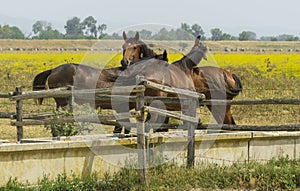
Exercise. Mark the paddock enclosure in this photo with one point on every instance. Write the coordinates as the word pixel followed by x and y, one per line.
pixel 187 142
pixel 30 159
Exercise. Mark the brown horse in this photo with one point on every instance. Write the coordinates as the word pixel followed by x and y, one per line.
pixel 217 83
pixel 134 50
pixel 86 77
pixel 78 75
pixel 214 82
pixel 178 75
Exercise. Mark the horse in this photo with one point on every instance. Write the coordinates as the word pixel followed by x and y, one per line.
pixel 178 75
pixel 217 83
pixel 78 75
pixel 85 77
pixel 213 82
pixel 134 50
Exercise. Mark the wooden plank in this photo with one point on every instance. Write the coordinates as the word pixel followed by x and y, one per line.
pixel 64 92
pixel 291 127
pixel 141 139
pixel 59 92
pixel 5 95
pixel 19 113
pixel 6 115
pixel 81 118
pixel 250 102
pixel 173 90
pixel 191 111
pixel 172 114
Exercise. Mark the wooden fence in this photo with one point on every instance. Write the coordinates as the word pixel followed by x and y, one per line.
pixel 21 119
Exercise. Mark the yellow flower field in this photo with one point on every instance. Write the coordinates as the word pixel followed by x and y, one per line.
pixel 268 64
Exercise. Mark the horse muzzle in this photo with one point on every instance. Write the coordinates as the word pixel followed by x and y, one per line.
pixel 125 63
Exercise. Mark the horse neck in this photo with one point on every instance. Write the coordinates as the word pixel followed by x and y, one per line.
pixel 185 64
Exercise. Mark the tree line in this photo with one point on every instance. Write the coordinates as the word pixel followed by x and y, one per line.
pixel 88 28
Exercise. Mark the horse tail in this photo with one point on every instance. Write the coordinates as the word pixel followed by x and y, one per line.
pixel 233 91
pixel 39 83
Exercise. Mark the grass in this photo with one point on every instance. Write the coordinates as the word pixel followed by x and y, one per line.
pixel 276 174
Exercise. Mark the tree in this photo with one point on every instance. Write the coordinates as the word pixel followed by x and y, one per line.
pixel 247 35
pixel 226 36
pixel 163 34
pixel 39 26
pixel 7 32
pixel 43 30
pixel 197 30
pixel 101 28
pixel 287 37
pixel 145 34
pixel 50 34
pixel 216 34
pixel 186 27
pixel 74 28
pixel 89 25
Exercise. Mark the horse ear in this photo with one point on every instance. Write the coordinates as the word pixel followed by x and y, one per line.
pixel 137 36
pixel 165 54
pixel 197 41
pixel 124 35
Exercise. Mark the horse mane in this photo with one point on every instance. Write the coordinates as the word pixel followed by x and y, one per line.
pixel 185 64
pixel 145 51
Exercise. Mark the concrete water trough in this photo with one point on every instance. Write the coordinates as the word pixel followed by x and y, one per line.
pixel 34 158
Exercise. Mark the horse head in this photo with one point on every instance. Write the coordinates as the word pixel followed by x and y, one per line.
pixel 199 46
pixel 131 50
pixel 134 50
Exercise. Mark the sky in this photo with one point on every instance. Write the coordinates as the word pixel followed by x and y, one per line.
pixel 264 17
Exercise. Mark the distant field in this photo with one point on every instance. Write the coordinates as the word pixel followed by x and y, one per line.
pixel 263 74
pixel 115 45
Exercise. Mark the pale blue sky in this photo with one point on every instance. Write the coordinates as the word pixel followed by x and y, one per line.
pixel 265 17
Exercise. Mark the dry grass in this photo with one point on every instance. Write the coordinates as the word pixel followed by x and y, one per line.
pixel 169 45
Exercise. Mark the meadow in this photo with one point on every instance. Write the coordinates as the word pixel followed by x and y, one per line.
pixel 263 75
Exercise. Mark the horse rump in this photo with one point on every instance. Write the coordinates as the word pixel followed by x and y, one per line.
pixel 39 83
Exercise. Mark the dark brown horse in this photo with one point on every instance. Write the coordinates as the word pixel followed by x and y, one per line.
pixel 214 82
pixel 86 77
pixel 78 75
pixel 178 75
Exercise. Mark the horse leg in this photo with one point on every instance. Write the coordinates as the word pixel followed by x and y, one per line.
pixel 118 128
pixel 217 112
pixel 228 119
pixel 222 115
pixel 61 102
pixel 165 120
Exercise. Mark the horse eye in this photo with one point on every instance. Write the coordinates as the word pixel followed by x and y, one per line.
pixel 134 48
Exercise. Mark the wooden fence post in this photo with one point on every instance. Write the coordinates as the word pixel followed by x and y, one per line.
pixel 192 108
pixel 141 140
pixel 71 98
pixel 19 113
